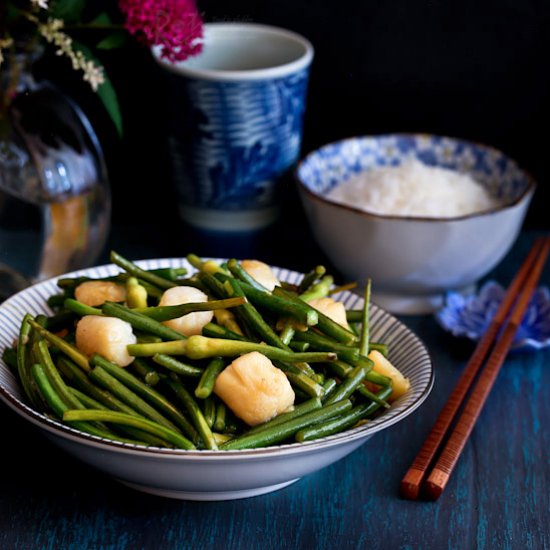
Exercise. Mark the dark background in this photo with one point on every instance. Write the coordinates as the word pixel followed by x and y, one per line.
pixel 472 69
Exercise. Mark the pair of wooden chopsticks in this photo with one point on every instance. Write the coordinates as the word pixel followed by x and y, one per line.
pixel 494 345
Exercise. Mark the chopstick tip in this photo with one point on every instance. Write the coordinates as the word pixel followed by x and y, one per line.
pixel 433 492
pixel 409 491
pixel 410 484
pixel 435 484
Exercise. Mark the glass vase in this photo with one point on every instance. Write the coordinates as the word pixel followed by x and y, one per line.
pixel 55 200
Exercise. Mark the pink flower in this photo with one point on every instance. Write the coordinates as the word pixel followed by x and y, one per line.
pixel 175 25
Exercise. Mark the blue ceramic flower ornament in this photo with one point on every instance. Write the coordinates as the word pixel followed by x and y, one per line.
pixel 469 316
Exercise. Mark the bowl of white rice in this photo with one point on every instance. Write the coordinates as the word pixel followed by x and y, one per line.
pixel 418 214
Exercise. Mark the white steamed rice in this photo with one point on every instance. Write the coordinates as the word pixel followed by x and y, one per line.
pixel 414 189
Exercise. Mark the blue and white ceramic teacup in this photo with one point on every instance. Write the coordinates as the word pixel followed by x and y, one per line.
pixel 236 123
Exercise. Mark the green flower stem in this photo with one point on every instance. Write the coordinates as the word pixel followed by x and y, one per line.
pixel 72 352
pixel 309 278
pixel 176 366
pixel 280 432
pixel 209 406
pixel 347 386
pixel 103 378
pixel 364 347
pixel 221 415
pixel 343 422
pixel 136 271
pixel 323 343
pixel 300 380
pixel 140 321
pixel 373 397
pixel 287 334
pixel 55 379
pixel 81 309
pixel 147 373
pixel 115 417
pixel 135 433
pixel 208 378
pixel 59 408
pixel 165 313
pixel 307 406
pixel 240 273
pixel 208 266
pixel 195 414
pixel 319 289
pixel 23 363
pixel 325 324
pixel 201 347
pixel 147 393
pixel 216 331
pixel 281 306
pixel 76 377
pixel 253 319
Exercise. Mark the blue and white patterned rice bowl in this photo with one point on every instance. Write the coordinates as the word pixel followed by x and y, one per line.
pixel 413 261
pixel 214 475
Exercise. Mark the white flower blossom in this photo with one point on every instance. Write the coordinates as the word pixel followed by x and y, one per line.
pixel 40 4
pixel 51 31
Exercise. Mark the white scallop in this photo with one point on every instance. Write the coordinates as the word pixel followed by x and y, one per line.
pixel 192 323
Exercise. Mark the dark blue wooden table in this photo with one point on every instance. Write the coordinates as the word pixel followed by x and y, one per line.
pixel 498 497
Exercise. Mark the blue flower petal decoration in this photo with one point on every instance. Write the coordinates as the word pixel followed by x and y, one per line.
pixel 470 315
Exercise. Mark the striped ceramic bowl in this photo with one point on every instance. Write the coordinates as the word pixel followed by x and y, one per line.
pixel 213 475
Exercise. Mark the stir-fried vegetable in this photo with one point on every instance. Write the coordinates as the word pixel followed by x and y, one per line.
pixel 224 358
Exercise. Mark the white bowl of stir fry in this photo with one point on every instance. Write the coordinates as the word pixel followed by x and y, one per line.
pixel 206 379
